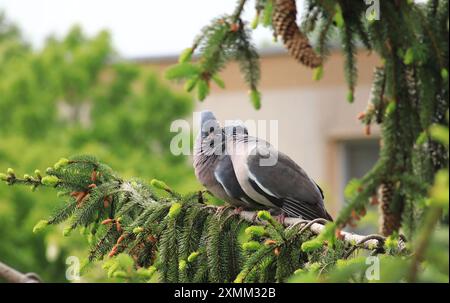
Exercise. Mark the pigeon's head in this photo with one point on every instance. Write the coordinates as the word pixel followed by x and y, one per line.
pixel 209 126
pixel 236 129
pixel 211 137
pixel 234 132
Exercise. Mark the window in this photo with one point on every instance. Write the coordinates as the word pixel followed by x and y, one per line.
pixel 359 158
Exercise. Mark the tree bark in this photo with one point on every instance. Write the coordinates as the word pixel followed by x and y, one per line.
pixel 13 276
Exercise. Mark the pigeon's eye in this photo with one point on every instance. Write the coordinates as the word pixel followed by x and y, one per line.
pixel 211 129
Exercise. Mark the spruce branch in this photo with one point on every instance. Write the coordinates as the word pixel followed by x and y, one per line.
pixel 317 228
pixel 181 236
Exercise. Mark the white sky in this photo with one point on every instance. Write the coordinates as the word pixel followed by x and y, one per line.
pixel 139 27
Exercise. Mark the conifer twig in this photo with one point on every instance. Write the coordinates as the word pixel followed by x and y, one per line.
pixel 422 242
pixel 361 243
pixel 237 13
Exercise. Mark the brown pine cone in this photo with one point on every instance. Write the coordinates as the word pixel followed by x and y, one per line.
pixel 285 25
pixel 390 220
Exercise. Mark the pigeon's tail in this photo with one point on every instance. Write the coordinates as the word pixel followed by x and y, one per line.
pixel 328 217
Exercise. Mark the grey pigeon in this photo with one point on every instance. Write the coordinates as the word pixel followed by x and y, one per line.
pixel 213 167
pixel 272 179
pixel 249 173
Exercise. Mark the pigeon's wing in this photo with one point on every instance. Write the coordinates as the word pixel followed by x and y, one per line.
pixel 225 176
pixel 285 184
pixel 320 189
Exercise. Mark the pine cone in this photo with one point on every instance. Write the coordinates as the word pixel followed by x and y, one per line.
pixel 390 220
pixel 284 23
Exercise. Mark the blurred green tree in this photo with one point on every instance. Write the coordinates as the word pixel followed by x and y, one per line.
pixel 75 96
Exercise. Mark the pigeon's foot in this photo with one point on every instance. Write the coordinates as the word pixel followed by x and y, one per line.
pixel 254 217
pixel 221 209
pixel 238 210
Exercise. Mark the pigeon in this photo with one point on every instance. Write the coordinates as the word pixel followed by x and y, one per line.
pixel 249 173
pixel 213 167
pixel 274 180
